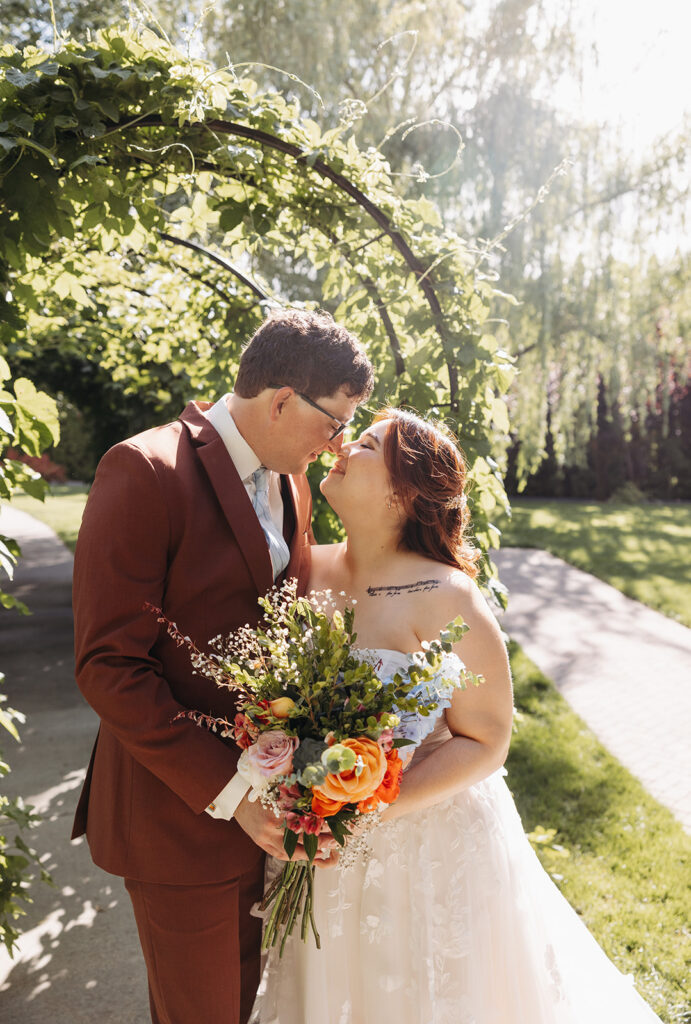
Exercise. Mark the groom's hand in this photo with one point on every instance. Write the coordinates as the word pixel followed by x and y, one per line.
pixel 263 828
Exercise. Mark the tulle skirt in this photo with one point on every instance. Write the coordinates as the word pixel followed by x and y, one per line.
pixel 452 920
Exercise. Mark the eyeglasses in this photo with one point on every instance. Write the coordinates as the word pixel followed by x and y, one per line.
pixel 315 405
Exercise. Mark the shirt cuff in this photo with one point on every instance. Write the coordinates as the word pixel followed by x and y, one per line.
pixel 225 804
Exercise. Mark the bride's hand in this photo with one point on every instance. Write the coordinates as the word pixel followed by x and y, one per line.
pixel 328 852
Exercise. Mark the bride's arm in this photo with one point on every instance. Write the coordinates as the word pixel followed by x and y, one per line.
pixel 479 717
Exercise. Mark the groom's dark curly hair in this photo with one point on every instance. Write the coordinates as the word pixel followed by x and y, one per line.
pixel 308 351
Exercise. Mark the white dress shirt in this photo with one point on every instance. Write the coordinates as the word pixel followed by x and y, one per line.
pixel 244 459
pixel 245 462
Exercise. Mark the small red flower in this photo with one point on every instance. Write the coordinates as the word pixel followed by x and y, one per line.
pixel 311 824
pixel 288 795
pixel 244 732
pixel 294 821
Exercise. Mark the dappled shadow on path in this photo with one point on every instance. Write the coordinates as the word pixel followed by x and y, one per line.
pixel 590 617
pixel 78 960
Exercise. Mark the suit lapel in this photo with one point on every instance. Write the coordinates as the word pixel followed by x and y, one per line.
pixel 231 494
pixel 297 543
pixel 291 523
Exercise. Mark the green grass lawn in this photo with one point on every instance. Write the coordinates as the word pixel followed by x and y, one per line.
pixel 628 866
pixel 642 550
pixel 62 509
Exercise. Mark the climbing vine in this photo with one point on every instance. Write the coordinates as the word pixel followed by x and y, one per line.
pixel 116 154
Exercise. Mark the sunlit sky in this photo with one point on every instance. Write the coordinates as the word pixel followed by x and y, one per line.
pixel 639 74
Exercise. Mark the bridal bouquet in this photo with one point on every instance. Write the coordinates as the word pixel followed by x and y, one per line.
pixel 319 731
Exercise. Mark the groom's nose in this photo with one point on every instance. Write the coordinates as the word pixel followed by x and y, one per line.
pixel 335 443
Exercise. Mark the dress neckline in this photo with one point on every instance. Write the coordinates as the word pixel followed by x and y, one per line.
pixel 387 650
pixel 402 654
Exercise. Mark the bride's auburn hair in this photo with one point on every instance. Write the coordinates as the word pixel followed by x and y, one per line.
pixel 428 473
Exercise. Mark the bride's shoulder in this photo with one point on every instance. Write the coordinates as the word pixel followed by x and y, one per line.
pixel 454 594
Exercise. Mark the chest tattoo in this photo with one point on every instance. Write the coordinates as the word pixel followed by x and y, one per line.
pixel 419 587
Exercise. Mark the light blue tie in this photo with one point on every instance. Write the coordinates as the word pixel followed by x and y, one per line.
pixel 278 549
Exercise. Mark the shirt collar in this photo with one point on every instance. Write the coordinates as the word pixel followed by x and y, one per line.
pixel 244 458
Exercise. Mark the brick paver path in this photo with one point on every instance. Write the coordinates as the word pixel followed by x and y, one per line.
pixel 623 667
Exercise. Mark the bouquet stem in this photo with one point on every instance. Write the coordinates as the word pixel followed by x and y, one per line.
pixel 288 895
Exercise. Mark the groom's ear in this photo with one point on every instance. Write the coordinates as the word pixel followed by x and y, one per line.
pixel 278 402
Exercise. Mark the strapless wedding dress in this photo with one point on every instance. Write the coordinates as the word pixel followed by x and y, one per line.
pixel 452 920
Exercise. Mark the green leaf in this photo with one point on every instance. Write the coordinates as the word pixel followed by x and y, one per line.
pixel 338 831
pixel 35 488
pixel 107 107
pixel 87 158
pixel 39 407
pixel 8 601
pixel 24 122
pixel 7 723
pixel 290 841
pixel 232 214
pixel 311 844
pixel 20 78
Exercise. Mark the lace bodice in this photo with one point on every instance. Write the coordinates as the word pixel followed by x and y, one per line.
pixel 429 732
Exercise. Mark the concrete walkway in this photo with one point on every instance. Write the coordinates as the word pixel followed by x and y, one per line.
pixel 78 960
pixel 625 669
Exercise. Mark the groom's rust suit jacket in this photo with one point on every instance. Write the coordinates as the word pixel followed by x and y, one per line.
pixel 168 521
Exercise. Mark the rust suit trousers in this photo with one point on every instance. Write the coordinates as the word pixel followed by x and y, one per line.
pixel 201 947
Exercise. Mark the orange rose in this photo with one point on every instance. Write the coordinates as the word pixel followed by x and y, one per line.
pixel 347 787
pixel 390 785
pixel 323 806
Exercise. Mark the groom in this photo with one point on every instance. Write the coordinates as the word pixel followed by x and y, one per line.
pixel 198 517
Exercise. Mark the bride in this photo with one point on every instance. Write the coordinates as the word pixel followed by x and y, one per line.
pixel 452 919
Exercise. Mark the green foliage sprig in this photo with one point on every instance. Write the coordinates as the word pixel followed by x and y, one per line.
pixel 16 857
pixel 28 423
pixel 307 652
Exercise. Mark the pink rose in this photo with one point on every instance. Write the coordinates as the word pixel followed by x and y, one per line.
pixel 271 755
